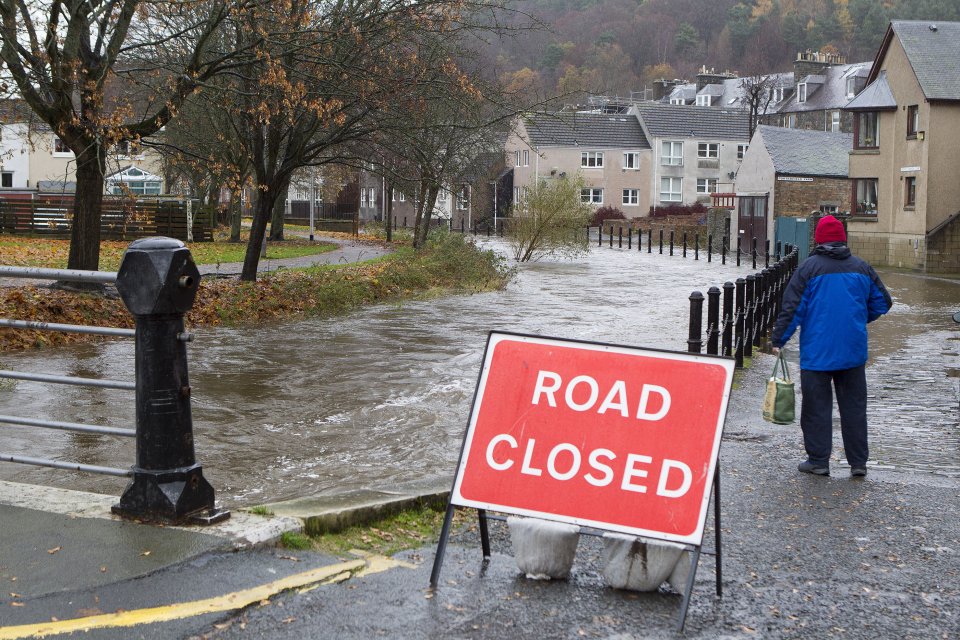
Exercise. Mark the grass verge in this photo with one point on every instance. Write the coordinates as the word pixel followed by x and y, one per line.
pixel 448 264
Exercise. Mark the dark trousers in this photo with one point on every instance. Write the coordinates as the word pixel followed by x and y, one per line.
pixel 816 413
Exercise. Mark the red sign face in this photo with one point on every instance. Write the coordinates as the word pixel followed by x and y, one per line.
pixel 617 438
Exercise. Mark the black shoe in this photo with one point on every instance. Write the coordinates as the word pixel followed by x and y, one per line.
pixel 858 472
pixel 811 467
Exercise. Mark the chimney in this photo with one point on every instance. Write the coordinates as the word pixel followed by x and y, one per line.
pixel 662 88
pixel 810 63
pixel 705 77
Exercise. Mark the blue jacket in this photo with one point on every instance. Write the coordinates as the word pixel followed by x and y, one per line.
pixel 832 296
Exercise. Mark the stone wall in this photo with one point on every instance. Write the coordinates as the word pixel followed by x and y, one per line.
pixel 943 250
pixel 798 199
pixel 904 251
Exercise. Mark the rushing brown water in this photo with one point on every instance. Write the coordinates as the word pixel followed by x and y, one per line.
pixel 380 398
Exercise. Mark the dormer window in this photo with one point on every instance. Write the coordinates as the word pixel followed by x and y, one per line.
pixel 677 101
pixel 703 101
pixel 851 87
pixel 776 95
pixel 802 92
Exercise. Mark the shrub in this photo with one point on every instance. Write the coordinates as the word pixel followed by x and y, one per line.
pixel 662 211
pixel 606 212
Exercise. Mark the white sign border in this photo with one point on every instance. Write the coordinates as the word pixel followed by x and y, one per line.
pixel 496 337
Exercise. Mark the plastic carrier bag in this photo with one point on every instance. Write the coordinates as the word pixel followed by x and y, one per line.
pixel 779 400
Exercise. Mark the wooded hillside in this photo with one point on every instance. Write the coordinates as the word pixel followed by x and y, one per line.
pixel 618 46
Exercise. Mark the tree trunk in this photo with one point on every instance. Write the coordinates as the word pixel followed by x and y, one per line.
pixel 236 215
pixel 429 202
pixel 87 204
pixel 388 218
pixel 262 211
pixel 279 208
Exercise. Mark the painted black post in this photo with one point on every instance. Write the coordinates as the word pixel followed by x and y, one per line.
pixel 650 240
pixel 779 250
pixel 463 225
pixel 600 235
pixel 684 244
pixel 671 241
pixel 748 322
pixel 738 250
pixel 710 247
pixel 694 341
pixel 724 246
pixel 753 253
pixel 661 241
pixel 630 238
pixel 727 339
pixel 696 246
pixel 619 237
pixel 766 254
pixel 713 320
pixel 763 309
pixel 740 321
pixel 404 222
pixel 158 282
pixel 611 236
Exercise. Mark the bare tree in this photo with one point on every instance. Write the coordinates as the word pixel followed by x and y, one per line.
pixel 102 71
pixel 758 95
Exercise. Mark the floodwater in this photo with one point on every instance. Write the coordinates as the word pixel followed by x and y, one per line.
pixel 380 398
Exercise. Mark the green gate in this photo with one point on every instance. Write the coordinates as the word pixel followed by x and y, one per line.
pixel 796 231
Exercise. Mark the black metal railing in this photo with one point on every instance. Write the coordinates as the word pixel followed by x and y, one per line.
pixel 741 315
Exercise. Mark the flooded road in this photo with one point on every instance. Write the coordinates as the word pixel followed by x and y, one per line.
pixel 381 397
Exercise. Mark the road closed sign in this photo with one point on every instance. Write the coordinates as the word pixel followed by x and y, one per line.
pixel 618 438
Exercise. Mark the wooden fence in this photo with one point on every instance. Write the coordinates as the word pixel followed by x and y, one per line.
pixel 119 218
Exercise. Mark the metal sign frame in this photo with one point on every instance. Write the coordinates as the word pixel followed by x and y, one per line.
pixel 712 481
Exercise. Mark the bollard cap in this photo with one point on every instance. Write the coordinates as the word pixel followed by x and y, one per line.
pixel 157 275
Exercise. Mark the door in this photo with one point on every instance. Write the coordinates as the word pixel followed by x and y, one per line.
pixel 752 214
pixel 796 231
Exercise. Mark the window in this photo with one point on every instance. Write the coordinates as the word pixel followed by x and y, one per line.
pixel 913 120
pixel 631 197
pixel 591 159
pixel 6 179
pixel 910 191
pixel 831 209
pixel 708 150
pixel 776 95
pixel 363 197
pixel 865 134
pixel 399 196
pixel 851 87
pixel 463 198
pixel 835 121
pixel 792 121
pixel 517 158
pixel 703 101
pixel 706 185
pixel 631 160
pixel 671 189
pixel 865 196
pixel 591 196
pixel 671 153
pixel 516 195
pixel 677 101
pixel 372 197
pixel 59 146
pixel 802 92
pixel 526 157
pixel 742 150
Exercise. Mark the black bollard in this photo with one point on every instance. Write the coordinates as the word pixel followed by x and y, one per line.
pixel 766 255
pixel 710 247
pixel 600 235
pixel 694 342
pixel 713 320
pixel 739 251
pixel 748 329
pixel 753 252
pixel 661 241
pixel 619 237
pixel 726 341
pixel 724 245
pixel 671 242
pixel 684 244
pixel 696 246
pixel 158 282
pixel 740 321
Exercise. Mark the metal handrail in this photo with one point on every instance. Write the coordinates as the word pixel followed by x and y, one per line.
pixel 72 466
pixel 66 275
pixel 68 426
pixel 54 379
pixel 68 328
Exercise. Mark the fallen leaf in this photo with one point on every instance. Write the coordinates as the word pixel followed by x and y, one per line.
pixel 291 558
pixel 54 550
pixel 288 620
pixel 14 595
pixel 146 553
pixel 16 604
pixel 103 569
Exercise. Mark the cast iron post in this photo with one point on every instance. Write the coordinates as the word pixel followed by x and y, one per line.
pixel 695 341
pixel 158 282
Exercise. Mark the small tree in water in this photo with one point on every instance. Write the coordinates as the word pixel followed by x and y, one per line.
pixel 550 220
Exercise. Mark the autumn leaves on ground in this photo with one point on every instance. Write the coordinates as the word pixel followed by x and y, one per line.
pixel 448 264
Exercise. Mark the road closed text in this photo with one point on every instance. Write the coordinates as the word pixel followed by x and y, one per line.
pixel 565 461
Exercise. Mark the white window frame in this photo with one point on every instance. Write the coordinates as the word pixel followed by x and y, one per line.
pixel 851 87
pixel 704 185
pixel 671 153
pixel 777 95
pixel 516 195
pixel 363 197
pixel 591 195
pixel 703 100
pixel 526 157
pixel 677 101
pixel 463 197
pixel 708 150
pixel 802 92
pixel 631 160
pixel 517 158
pixel 671 189
pixel 591 159
pixel 835 121
pixel 60 147
pixel 742 150
pixel 631 197
pixel 6 176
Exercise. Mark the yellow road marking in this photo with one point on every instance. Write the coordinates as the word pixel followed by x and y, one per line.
pixel 228 602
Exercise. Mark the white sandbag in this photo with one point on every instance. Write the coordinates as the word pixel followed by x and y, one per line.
pixel 638 564
pixel 543 549
pixel 681 572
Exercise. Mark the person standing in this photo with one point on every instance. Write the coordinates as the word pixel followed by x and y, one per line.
pixel 831 297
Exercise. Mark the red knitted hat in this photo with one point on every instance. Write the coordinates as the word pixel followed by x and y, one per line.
pixel 829 229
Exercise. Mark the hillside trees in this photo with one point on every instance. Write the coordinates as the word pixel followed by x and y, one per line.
pixel 67 59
